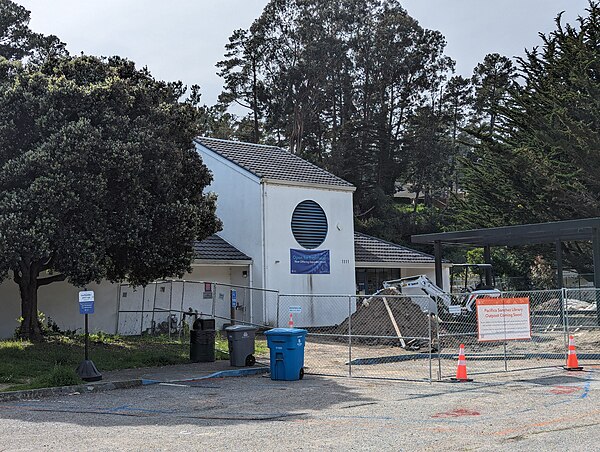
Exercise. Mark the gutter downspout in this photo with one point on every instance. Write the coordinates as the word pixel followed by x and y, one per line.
pixel 251 281
pixel 264 250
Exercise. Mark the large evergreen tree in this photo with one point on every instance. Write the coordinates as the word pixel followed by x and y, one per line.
pixel 336 82
pixel 98 174
pixel 543 162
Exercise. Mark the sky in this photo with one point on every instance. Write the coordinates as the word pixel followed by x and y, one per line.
pixel 183 39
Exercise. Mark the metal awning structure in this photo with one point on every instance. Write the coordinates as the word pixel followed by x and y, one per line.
pixel 587 229
pixel 527 234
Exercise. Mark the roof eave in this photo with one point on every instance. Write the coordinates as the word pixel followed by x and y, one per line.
pixel 347 188
pixel 221 263
pixel 359 264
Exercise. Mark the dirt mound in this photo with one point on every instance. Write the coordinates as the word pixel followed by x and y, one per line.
pixel 372 318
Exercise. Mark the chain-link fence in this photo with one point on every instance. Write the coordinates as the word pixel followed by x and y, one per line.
pixel 170 307
pixel 418 337
pixel 534 348
pixel 381 336
pixel 414 337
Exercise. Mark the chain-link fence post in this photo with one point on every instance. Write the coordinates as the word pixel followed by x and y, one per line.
pixel 505 344
pixel 350 336
pixel 169 323
pixel 277 310
pixel 143 304
pixel 439 348
pixel 564 313
pixel 430 345
pixel 213 288
pixel 181 333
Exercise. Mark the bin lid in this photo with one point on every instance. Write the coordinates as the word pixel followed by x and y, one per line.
pixel 286 332
pixel 241 328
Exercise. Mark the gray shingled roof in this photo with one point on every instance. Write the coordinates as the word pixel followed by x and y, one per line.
pixel 372 249
pixel 215 248
pixel 271 162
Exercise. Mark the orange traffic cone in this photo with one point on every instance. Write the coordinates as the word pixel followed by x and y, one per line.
pixel 461 370
pixel 572 363
pixel 291 322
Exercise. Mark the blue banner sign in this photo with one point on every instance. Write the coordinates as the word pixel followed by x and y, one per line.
pixel 309 262
pixel 86 307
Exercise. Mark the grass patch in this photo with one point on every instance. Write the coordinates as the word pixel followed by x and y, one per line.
pixel 59 376
pixel 409 208
pixel 26 365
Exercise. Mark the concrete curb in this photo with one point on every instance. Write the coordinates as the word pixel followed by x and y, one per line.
pixel 65 390
pixel 109 386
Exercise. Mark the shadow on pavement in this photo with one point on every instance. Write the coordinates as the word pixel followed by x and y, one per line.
pixel 223 401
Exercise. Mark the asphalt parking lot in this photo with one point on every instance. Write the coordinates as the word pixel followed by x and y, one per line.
pixel 547 409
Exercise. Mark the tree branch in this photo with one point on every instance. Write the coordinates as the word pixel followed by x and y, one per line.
pixel 51 279
pixel 48 264
pixel 17 276
pixel 364 213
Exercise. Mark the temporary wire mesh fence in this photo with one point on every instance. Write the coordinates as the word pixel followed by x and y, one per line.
pixel 170 307
pixel 418 337
pixel 362 336
pixel 392 336
pixel 546 334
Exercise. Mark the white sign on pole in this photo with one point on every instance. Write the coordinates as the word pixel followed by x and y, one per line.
pixel 86 295
pixel 503 319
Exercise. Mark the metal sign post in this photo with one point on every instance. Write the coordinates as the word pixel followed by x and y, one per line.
pixel 87 369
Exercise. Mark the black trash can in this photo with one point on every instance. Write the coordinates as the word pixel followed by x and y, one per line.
pixel 202 346
pixel 204 324
pixel 240 339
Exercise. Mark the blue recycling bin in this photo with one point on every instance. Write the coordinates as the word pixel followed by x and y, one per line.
pixel 287 353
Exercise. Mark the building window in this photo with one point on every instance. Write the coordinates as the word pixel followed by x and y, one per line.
pixel 309 224
pixel 370 280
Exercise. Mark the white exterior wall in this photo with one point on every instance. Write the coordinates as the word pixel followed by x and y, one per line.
pixel 256 219
pixel 239 206
pixel 59 301
pixel 280 202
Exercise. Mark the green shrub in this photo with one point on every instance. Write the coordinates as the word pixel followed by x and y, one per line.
pixel 58 376
pixel 62 376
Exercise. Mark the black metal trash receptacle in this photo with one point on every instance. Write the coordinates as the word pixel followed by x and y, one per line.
pixel 240 339
pixel 202 346
pixel 204 324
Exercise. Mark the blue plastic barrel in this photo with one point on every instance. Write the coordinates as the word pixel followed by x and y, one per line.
pixel 287 353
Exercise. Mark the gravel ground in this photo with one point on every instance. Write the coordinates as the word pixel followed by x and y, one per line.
pixel 326 356
pixel 544 409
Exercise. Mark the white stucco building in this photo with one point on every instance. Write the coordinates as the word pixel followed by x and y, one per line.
pixel 287 227
pixel 280 209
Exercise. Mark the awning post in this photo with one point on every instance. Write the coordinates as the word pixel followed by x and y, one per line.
pixel 439 277
pixel 559 265
pixel 487 258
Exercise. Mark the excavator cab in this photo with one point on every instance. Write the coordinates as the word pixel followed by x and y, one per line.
pixel 466 278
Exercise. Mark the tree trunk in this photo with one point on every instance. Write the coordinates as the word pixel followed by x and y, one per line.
pixel 416 200
pixel 30 327
pixel 25 275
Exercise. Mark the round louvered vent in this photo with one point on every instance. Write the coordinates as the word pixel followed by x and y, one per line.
pixel 309 224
